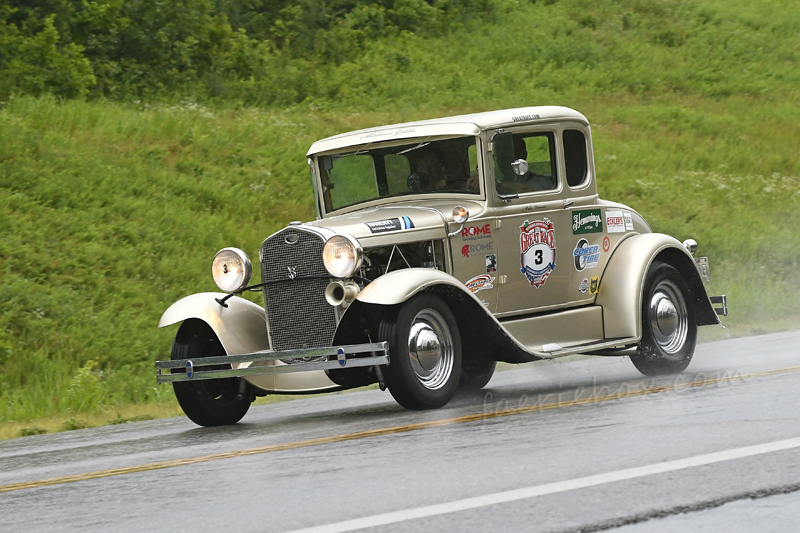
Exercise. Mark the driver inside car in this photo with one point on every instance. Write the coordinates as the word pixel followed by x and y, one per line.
pixel 429 173
pixel 530 181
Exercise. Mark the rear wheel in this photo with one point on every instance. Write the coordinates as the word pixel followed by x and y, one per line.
pixel 669 328
pixel 213 402
pixel 425 353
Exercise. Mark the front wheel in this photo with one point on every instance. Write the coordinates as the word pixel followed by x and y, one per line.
pixel 424 353
pixel 213 402
pixel 669 328
pixel 476 374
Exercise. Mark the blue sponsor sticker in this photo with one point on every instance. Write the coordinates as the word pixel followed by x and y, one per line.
pixel 390 224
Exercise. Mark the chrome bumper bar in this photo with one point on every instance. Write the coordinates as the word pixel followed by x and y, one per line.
pixel 338 357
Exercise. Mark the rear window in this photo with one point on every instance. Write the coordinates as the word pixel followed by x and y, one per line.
pixel 575 157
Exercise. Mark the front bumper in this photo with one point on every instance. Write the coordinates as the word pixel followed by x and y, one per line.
pixel 339 357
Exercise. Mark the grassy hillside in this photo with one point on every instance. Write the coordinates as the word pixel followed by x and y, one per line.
pixel 110 211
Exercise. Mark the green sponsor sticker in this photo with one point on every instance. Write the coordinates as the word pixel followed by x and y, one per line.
pixel 587 221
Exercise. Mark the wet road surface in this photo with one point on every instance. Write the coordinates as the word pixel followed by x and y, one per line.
pixel 576 444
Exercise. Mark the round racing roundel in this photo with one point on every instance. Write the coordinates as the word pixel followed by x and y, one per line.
pixel 537 244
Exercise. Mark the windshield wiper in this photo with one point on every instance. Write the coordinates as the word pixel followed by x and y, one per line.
pixel 420 145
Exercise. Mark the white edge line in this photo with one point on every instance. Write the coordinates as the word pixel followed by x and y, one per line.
pixel 550 488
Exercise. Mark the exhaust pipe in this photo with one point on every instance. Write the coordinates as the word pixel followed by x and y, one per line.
pixel 341 292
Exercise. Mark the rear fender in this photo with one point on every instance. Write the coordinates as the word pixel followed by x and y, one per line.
pixel 622 285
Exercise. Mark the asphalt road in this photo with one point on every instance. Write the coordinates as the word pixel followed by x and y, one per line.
pixel 577 444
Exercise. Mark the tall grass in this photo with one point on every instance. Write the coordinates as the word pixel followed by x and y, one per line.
pixel 110 212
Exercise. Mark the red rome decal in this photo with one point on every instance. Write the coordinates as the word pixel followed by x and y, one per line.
pixel 476 232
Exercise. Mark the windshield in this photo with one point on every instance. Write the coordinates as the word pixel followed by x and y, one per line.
pixel 420 167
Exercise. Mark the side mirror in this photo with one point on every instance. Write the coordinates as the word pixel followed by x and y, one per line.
pixel 520 167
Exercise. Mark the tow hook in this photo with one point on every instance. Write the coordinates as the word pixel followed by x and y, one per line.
pixel 242 389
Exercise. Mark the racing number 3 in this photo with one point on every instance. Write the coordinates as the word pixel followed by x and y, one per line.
pixel 538 257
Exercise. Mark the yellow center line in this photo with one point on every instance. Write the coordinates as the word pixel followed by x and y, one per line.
pixel 387 431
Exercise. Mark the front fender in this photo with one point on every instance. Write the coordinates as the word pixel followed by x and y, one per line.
pixel 398 286
pixel 622 285
pixel 242 328
pixel 481 331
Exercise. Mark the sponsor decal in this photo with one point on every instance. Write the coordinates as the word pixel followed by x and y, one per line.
pixel 537 245
pixel 391 224
pixel 523 118
pixel 615 223
pixel 584 286
pixel 587 221
pixel 606 244
pixel 480 283
pixel 586 255
pixel 476 248
pixel 594 285
pixel 491 263
pixel 473 233
pixel 628 221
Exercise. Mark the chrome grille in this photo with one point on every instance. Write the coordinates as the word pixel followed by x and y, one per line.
pixel 298 316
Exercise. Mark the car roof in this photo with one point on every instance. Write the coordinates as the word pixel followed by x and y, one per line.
pixel 471 124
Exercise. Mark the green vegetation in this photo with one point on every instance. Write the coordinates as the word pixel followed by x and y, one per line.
pixel 121 175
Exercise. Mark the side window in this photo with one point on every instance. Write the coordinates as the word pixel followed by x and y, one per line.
pixel 538 173
pixel 575 157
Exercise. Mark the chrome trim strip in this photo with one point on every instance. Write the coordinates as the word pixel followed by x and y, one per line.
pixel 282 369
pixel 341 361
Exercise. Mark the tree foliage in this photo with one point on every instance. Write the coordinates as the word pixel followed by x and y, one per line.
pixel 139 48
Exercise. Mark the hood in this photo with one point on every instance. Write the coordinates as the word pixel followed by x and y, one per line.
pixel 396 224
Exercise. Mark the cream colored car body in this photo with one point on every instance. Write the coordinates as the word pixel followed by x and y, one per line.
pixel 594 309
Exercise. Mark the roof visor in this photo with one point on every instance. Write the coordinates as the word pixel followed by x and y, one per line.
pixel 362 138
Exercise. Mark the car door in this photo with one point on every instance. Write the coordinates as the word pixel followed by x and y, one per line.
pixel 533 228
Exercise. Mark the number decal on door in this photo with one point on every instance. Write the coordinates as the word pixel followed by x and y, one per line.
pixel 537 244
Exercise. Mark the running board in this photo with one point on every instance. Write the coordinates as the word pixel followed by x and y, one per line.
pixel 342 353
pixel 554 350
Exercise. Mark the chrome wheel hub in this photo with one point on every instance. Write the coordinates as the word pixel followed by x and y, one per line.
pixel 430 347
pixel 668 317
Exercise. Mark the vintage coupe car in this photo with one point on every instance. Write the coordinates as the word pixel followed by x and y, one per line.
pixel 440 247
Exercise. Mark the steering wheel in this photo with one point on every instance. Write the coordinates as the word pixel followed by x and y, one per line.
pixel 417 182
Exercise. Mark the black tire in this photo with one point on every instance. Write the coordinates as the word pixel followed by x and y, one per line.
pixel 669 327
pixel 476 374
pixel 213 402
pixel 430 381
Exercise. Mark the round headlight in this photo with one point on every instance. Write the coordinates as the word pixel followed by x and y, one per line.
pixel 342 256
pixel 231 269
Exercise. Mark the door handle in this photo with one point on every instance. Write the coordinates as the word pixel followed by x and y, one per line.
pixel 568 203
